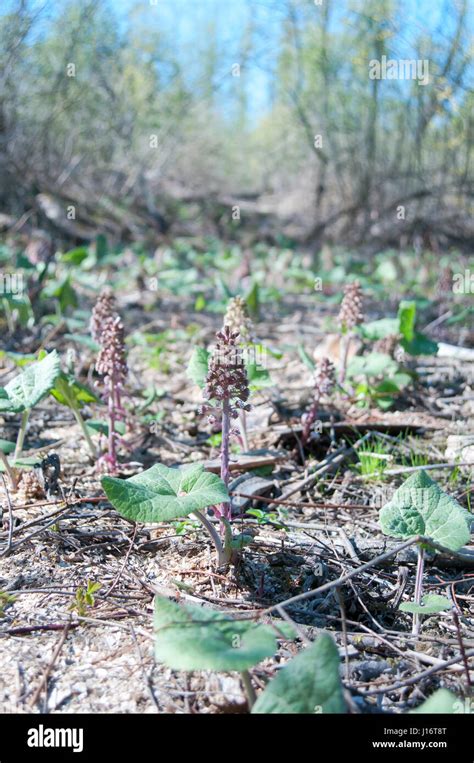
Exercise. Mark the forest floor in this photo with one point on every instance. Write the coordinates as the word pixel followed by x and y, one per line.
pixel 61 655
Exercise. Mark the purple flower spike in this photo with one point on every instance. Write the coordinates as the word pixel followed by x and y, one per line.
pixel 227 388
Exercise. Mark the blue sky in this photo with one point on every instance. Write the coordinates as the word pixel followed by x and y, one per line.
pixel 188 24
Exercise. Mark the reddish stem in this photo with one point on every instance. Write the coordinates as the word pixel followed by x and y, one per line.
pixel 225 471
pixel 309 420
pixel 112 452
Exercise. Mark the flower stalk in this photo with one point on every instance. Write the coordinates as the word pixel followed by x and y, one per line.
pixel 350 316
pixel 323 384
pixel 239 320
pixel 107 328
pixel 227 392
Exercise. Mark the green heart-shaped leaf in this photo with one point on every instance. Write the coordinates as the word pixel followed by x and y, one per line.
pixel 160 494
pixel 198 365
pixel 430 605
pixel 31 386
pixel 420 507
pixel 258 376
pixel 198 638
pixel 420 345
pixel 5 402
pixel 372 365
pixel 70 392
pixel 379 329
pixel 309 683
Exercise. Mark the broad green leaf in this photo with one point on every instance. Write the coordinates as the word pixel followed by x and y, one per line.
pixel 75 256
pixel 374 364
pixel 32 385
pixel 241 540
pixel 101 247
pixel 6 446
pixel 18 358
pixel 200 303
pixel 385 402
pixel 258 377
pixel 5 402
pixel 386 392
pixel 401 379
pixel 25 462
pixel 386 271
pixel 309 683
pixel 20 304
pixel 68 391
pixel 420 507
pixel 198 366
pixel 63 291
pixel 197 638
pixel 160 493
pixel 443 701
pixel 379 329
pixel 407 318
pixel 387 386
pixel 430 605
pixel 252 299
pixel 420 345
pixel 261 350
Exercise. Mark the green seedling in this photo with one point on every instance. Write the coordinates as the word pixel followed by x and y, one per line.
pixel 17 310
pixel 182 527
pixel 404 325
pixel 415 458
pixel 420 508
pixel 64 294
pixel 22 393
pixel 71 393
pixel 373 459
pixel 6 599
pixel 84 598
pixel 161 494
pixel 379 379
pixel 266 518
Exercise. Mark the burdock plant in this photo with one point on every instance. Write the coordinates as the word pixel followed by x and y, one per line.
pixel 227 392
pixel 350 316
pixel 107 329
pixel 324 380
pixel 419 509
